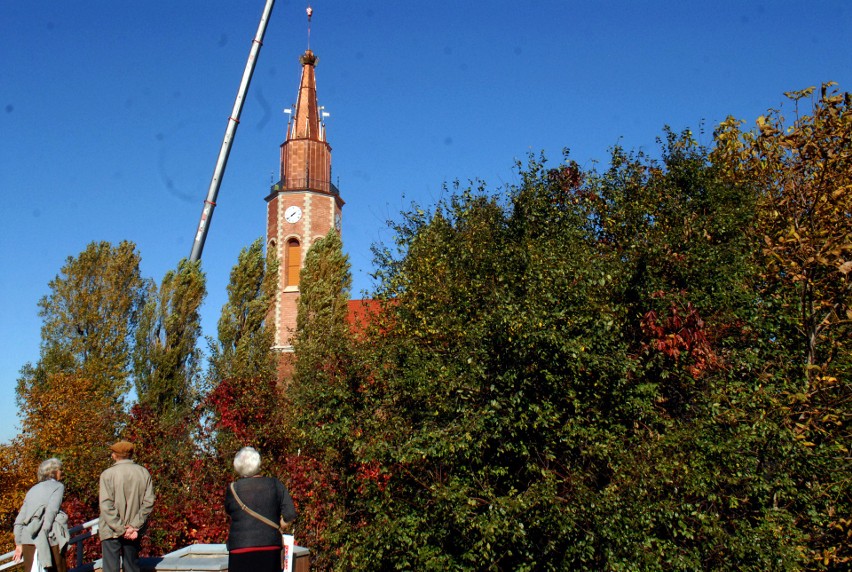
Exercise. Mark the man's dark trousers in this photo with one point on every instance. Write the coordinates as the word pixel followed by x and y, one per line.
pixel 116 549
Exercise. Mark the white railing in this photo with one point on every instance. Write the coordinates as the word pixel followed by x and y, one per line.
pixel 78 533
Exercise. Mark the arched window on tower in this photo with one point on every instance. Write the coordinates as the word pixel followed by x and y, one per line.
pixel 294 261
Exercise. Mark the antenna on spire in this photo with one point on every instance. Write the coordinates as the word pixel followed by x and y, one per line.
pixel 310 12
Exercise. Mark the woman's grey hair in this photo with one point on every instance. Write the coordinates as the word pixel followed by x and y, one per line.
pixel 247 462
pixel 48 468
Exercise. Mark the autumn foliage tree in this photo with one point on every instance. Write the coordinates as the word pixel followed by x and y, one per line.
pixel 72 399
pixel 188 480
pixel 802 170
pixel 72 418
pixel 15 479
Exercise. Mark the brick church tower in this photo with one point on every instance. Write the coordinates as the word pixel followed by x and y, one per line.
pixel 303 205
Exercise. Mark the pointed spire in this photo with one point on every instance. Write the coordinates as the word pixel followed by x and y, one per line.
pixel 305 153
pixel 307 122
pixel 306 119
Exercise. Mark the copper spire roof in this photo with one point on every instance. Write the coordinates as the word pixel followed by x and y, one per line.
pixel 307 122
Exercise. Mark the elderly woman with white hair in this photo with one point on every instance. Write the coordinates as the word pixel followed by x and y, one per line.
pixel 41 528
pixel 259 508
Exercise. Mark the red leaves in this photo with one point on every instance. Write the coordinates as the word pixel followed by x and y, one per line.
pixel 245 408
pixel 567 177
pixel 681 336
pixel 316 492
pixel 78 513
pixel 371 473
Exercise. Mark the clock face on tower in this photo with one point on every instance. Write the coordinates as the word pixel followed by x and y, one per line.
pixel 293 214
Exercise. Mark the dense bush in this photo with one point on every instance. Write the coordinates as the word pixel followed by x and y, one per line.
pixel 611 370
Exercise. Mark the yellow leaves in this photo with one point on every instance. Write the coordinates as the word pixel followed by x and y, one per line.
pixel 805 443
pixel 793 233
pixel 766 127
pixel 72 417
pixel 801 170
pixel 802 93
pixel 16 476
pixel 841 192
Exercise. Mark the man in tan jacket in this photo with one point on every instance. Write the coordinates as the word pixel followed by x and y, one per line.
pixel 126 500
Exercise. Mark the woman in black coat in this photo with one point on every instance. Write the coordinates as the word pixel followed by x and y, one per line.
pixel 257 506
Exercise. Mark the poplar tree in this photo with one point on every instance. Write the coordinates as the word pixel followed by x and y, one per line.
pixel 245 337
pixel 164 421
pixel 243 400
pixel 323 404
pixel 166 356
pixel 322 392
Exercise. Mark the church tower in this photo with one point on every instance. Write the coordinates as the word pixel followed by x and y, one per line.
pixel 303 205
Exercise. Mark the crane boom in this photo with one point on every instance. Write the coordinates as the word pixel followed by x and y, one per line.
pixel 233 121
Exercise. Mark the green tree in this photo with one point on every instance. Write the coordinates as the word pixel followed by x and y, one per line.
pixel 322 400
pixel 89 318
pixel 689 487
pixel 244 401
pixel 573 374
pixel 324 298
pixel 496 370
pixel 680 238
pixel 166 355
pixel 322 343
pixel 245 338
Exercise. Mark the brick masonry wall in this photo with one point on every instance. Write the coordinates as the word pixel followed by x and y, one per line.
pixel 272 220
pixel 318 210
pixel 306 164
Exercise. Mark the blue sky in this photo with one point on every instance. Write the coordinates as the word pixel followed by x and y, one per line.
pixel 112 113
